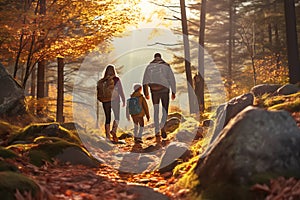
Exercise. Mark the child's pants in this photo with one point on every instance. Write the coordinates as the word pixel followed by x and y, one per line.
pixel 138 124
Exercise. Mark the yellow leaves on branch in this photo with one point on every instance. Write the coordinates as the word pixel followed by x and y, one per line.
pixel 69 27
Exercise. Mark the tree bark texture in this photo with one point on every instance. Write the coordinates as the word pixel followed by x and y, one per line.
pixel 292 41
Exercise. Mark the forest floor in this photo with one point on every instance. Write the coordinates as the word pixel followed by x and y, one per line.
pixel 66 181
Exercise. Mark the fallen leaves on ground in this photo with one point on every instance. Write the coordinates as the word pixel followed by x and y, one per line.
pixel 280 188
pixel 78 182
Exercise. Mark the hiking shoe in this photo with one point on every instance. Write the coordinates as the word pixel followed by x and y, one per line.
pixel 114 137
pixel 138 140
pixel 163 133
pixel 157 138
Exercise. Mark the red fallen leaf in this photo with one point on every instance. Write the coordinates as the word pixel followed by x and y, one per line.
pixel 68 193
pixel 263 188
pixel 182 192
pixel 296 193
pixel 275 186
pixel 87 196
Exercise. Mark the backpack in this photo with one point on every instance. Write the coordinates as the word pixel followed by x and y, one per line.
pixel 134 106
pixel 106 89
pixel 157 77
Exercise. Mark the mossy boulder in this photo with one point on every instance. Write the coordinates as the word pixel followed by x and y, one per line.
pixel 290 103
pixel 255 146
pixel 31 132
pixel 6 130
pixel 7 153
pixel 262 89
pixel 4 166
pixel 62 151
pixel 10 182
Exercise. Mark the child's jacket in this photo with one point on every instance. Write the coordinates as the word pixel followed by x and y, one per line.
pixel 143 103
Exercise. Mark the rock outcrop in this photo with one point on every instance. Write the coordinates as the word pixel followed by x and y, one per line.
pixel 11 95
pixel 227 111
pixel 255 144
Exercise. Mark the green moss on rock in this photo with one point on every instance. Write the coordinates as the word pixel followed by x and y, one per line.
pixel 4 166
pixel 7 153
pixel 10 182
pixel 291 106
pixel 52 150
pixel 31 132
pixel 286 102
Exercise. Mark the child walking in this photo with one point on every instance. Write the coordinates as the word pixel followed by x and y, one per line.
pixel 137 108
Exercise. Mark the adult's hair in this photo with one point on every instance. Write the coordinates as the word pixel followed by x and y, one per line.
pixel 157 55
pixel 110 71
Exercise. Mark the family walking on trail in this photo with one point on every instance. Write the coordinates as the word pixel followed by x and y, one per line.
pixel 159 77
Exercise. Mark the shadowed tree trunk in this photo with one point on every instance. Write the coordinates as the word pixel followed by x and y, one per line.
pixel 187 57
pixel 41 64
pixel 292 41
pixel 230 46
pixel 33 85
pixel 60 90
pixel 199 79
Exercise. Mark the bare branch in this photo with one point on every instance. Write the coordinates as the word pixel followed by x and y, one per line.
pixel 159 43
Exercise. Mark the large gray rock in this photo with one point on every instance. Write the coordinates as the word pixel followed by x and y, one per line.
pixel 262 89
pixel 11 95
pixel 287 89
pixel 137 162
pixel 145 193
pixel 174 152
pixel 76 156
pixel 227 111
pixel 254 144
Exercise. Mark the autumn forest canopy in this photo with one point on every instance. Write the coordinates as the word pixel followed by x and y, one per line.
pixel 245 38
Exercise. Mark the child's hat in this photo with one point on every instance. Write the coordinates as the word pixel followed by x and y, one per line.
pixel 137 86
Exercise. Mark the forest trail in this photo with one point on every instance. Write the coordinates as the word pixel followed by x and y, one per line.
pixel 66 181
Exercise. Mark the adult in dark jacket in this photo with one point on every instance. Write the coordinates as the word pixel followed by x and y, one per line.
pixel 160 78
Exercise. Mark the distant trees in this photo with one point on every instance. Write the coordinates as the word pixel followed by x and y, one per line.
pixel 248 37
pixel 247 40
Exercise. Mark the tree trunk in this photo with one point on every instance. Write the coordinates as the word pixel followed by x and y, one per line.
pixel 40 93
pixel 29 57
pixel 292 41
pixel 199 80
pixel 187 57
pixel 230 46
pixel 33 79
pixel 18 55
pixel 60 90
pixel 41 79
pixel 41 64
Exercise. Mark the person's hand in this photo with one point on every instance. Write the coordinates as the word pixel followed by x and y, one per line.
pixel 147 97
pixel 173 96
pixel 148 118
pixel 128 118
pixel 124 104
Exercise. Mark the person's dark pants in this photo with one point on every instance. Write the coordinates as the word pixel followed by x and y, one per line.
pixel 156 98
pixel 115 107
